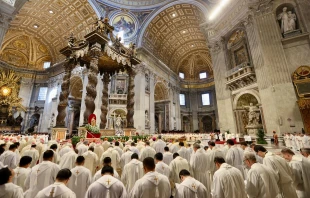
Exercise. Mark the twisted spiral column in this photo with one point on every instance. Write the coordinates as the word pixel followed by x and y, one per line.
pixel 91 92
pixel 105 100
pixel 130 98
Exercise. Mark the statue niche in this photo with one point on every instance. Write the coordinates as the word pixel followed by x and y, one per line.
pixel 288 21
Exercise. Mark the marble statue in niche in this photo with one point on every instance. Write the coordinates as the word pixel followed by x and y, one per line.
pixel 253 115
pixel 287 20
pixel 147 82
pixel 147 121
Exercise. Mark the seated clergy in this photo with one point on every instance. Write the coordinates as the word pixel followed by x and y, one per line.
pixel 59 188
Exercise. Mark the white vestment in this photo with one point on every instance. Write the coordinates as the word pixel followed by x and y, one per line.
pixel 301 175
pixel 91 161
pixel 105 145
pixel 9 159
pixel 147 152
pixel 82 148
pixel 228 183
pixel 98 175
pixel 162 168
pixel 131 173
pixel 41 176
pixel 191 188
pixel 21 176
pixel 68 160
pixel 234 156
pixel 283 170
pixel 113 154
pixel 108 187
pixel 10 190
pixel 56 190
pixel 262 182
pixel 184 153
pixel 64 150
pixel 167 157
pixel 176 166
pixel 126 158
pixel 98 149
pixel 34 154
pixel 306 141
pixel 151 185
pixel 199 161
pixel 174 147
pixel 80 181
pixel 119 150
pixel 159 146
pixel 135 150
pixel 56 157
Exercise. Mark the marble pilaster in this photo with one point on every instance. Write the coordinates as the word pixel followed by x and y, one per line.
pixel 152 103
pixel 139 81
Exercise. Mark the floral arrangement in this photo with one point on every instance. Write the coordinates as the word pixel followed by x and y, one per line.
pixel 92 129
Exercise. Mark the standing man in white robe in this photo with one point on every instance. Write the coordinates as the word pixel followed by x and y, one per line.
pixel 234 155
pixel 9 158
pixel 68 160
pixel 199 161
pixel 105 144
pixel 190 187
pixel 147 151
pixel 152 184
pixel 227 181
pixel 91 160
pixel 159 145
pixel 59 188
pixel 167 156
pixel 82 148
pixel 113 154
pixel 261 181
pixel 183 152
pixel 301 172
pixel 106 162
pixel 282 169
pixel 134 149
pixel 176 165
pixel 107 186
pixel 125 158
pixel 118 149
pixel 33 153
pixel 80 179
pixel 22 172
pixel 41 175
pixel 132 172
pixel 161 167
pixel 7 188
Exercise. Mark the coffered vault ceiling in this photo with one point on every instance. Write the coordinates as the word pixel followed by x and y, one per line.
pixel 55 20
pixel 174 37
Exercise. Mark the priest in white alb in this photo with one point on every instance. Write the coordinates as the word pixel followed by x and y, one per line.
pixel 234 155
pixel 161 167
pixel 159 145
pixel 190 187
pixel 132 172
pixel 22 172
pixel 106 162
pixel 91 160
pixel 33 153
pixel 152 184
pixel 261 181
pixel 168 156
pixel 147 151
pixel 41 175
pixel 183 152
pixel 125 158
pixel 68 160
pixel 82 148
pixel 81 178
pixel 59 188
pixel 114 155
pixel 7 188
pixel 176 165
pixel 106 186
pixel 9 157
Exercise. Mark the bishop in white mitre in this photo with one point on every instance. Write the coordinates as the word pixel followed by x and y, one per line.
pixel 7 188
pixel 161 167
pixel 281 168
pixel 176 166
pixel 147 151
pixel 9 157
pixel 22 172
pixel 91 160
pixel 59 188
pixel 113 154
pixel 80 179
pixel 261 181
pixel 33 153
pixel 107 186
pixel 152 184
pixel 190 187
pixel 198 163
pixel 132 172
pixel 301 172
pixel 68 160
pixel 41 175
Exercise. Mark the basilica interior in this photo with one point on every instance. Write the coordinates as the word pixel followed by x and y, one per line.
pixel 155 66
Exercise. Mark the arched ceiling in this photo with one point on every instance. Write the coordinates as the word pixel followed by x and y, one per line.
pixel 175 38
pixel 134 4
pixel 161 92
pixel 51 21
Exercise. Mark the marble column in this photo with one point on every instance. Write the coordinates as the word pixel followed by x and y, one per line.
pixel 152 103
pixel 139 88
pixel 6 15
pixel 91 92
pixel 105 100
pixel 64 94
pixel 130 98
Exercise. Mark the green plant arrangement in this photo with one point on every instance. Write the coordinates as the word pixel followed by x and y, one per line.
pixel 260 137
pixel 92 129
pixel 126 138
pixel 75 140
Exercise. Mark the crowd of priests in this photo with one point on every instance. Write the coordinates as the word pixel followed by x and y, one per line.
pixel 31 167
